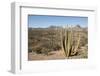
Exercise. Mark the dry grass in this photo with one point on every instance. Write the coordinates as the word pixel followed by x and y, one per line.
pixel 54 55
pixel 45 44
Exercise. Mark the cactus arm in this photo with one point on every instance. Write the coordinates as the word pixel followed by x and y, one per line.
pixel 69 47
pixel 63 40
pixel 78 42
pixel 68 44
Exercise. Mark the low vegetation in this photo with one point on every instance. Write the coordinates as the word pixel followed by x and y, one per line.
pixel 70 40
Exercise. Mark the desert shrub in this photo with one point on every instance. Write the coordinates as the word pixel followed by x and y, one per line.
pixel 45 51
pixel 38 50
pixel 41 50
pixel 29 50
pixel 84 39
pixel 84 42
pixel 56 47
pixel 46 45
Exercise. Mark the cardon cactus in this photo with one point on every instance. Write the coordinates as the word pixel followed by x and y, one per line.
pixel 67 43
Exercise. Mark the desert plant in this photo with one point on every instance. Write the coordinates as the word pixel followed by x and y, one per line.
pixel 68 45
pixel 29 49
pixel 45 51
pixel 38 50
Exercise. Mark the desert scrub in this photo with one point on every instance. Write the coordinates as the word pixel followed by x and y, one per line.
pixel 57 47
pixel 40 50
pixel 68 45
pixel 30 49
pixel 37 50
pixel 45 51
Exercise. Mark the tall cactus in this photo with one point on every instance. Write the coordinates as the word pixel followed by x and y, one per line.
pixel 67 42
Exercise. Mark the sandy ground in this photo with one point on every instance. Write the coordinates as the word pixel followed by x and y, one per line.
pixel 54 55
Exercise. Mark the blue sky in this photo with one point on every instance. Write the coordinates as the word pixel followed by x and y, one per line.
pixel 44 21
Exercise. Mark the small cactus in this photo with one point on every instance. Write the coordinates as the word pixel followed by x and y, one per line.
pixel 67 42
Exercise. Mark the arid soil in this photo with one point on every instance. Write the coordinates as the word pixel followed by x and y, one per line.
pixel 55 55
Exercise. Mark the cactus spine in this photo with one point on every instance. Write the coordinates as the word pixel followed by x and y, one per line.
pixel 67 42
